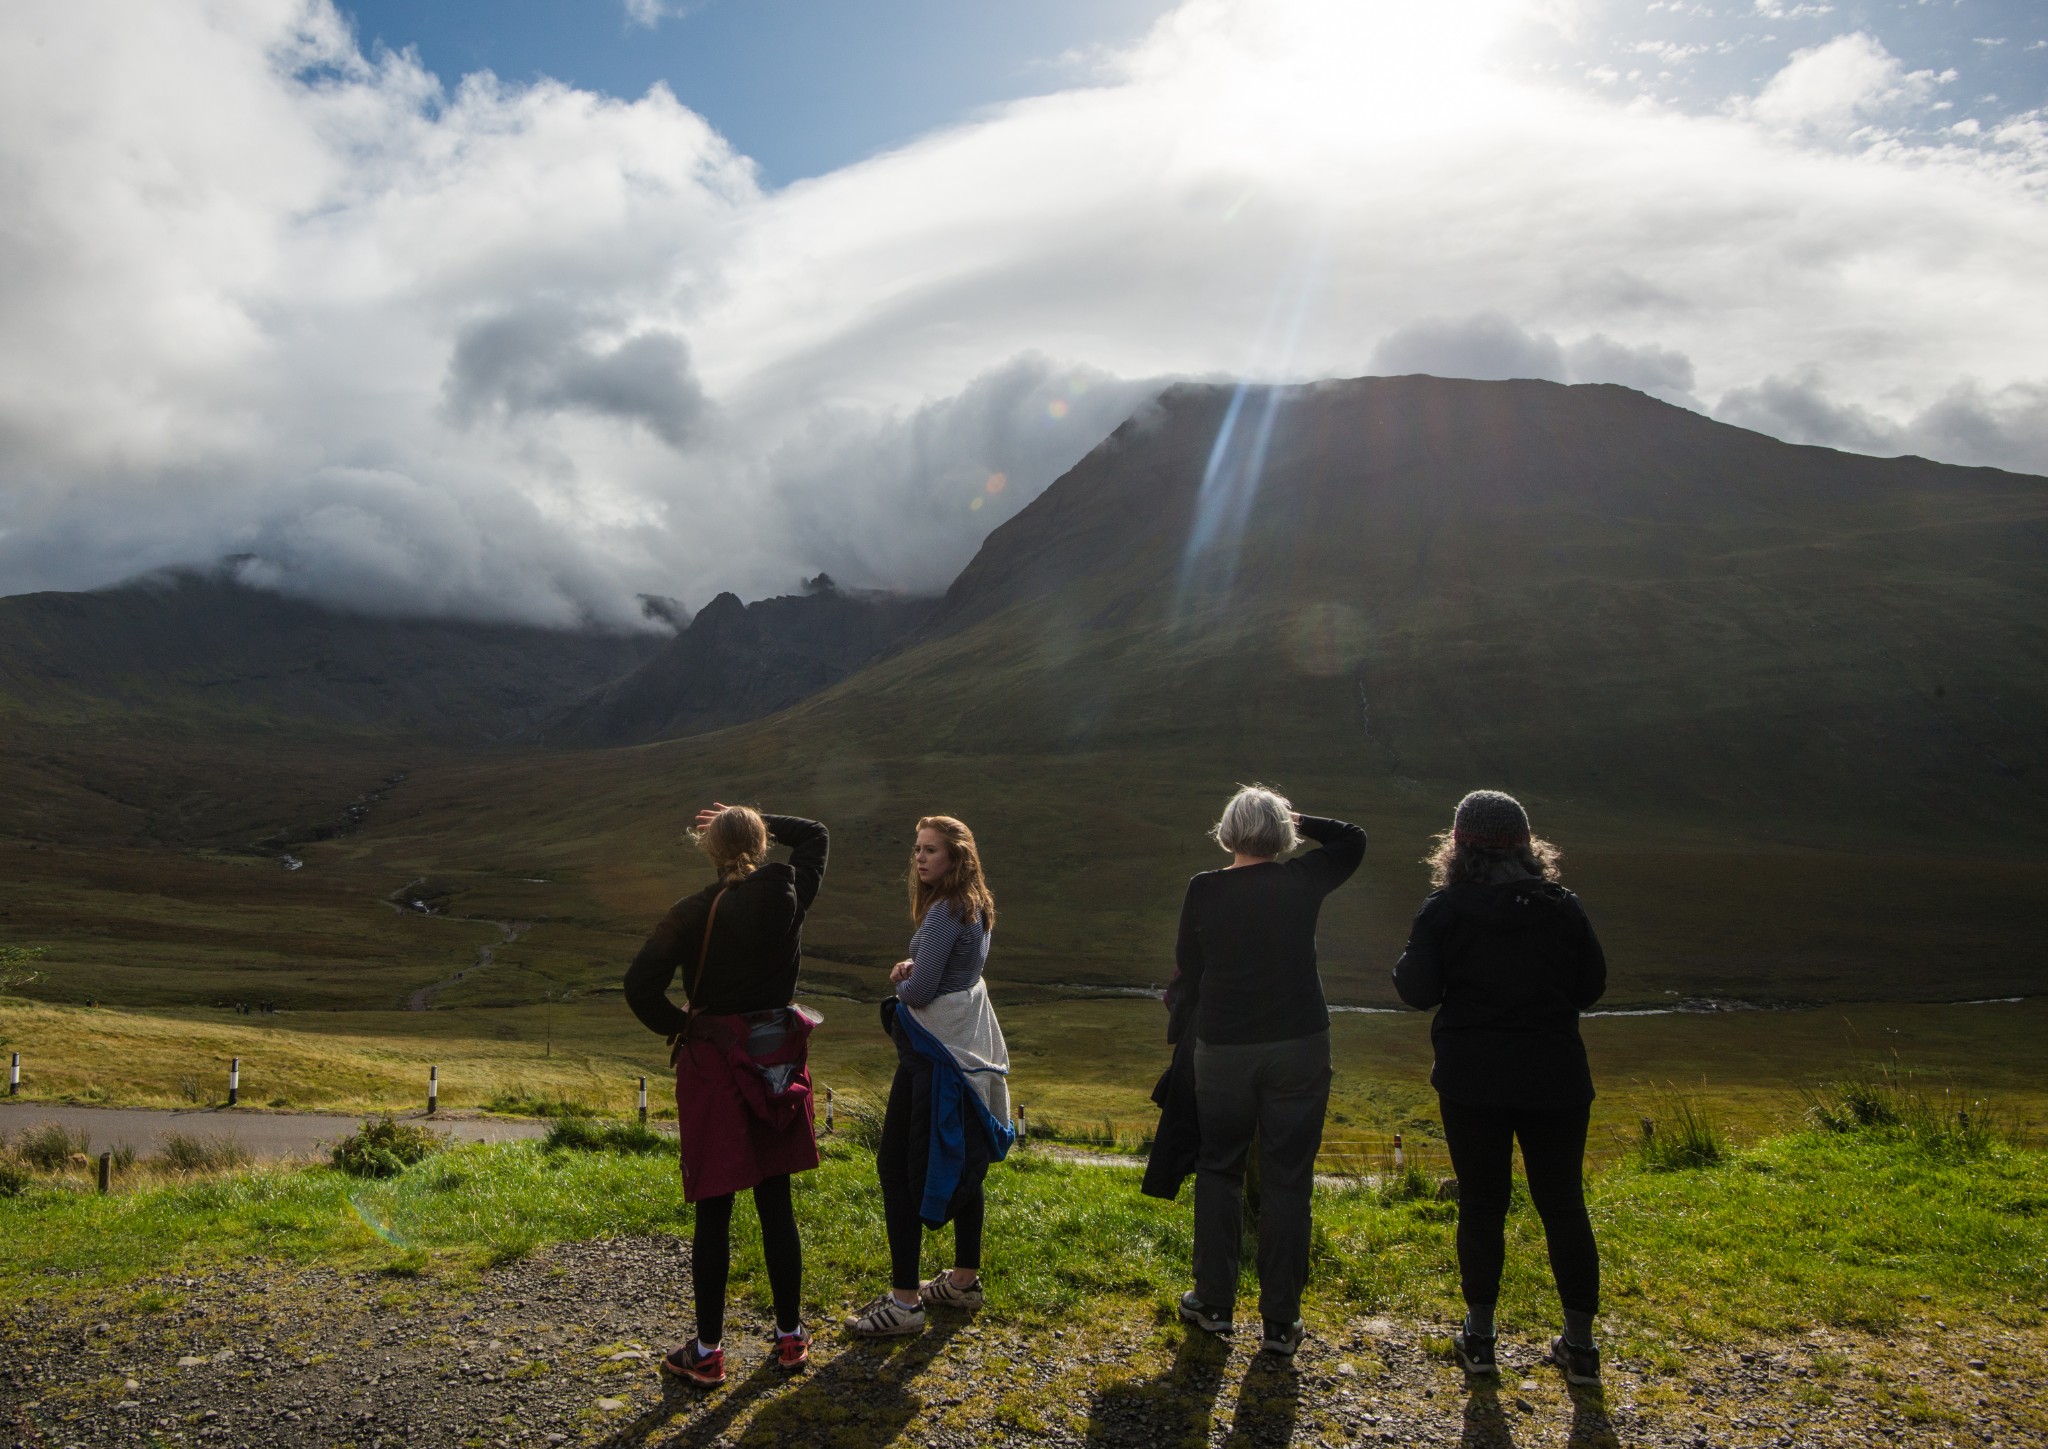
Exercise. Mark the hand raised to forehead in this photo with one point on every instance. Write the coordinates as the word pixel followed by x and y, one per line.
pixel 710 813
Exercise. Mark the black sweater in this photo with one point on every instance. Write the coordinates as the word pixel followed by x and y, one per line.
pixel 1245 961
pixel 756 938
pixel 1511 966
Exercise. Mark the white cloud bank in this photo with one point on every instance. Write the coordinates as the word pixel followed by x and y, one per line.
pixel 527 352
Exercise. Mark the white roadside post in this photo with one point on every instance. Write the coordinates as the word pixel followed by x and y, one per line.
pixel 643 1101
pixel 14 1076
pixel 1023 1125
pixel 1400 1157
pixel 828 1110
pixel 433 1090
pixel 234 1080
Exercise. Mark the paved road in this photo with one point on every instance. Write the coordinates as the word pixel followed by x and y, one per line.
pixel 265 1134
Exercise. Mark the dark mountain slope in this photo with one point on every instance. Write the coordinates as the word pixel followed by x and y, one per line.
pixel 199 647
pixel 737 662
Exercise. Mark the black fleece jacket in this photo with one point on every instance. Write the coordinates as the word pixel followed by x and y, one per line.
pixel 1245 959
pixel 1509 966
pixel 756 938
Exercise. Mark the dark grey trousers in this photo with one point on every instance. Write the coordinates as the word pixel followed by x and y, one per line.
pixel 1278 1089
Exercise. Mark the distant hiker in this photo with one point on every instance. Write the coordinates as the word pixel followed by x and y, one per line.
pixel 1510 959
pixel 949 1105
pixel 743 1091
pixel 1246 991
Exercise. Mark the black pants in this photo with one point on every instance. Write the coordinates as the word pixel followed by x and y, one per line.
pixel 1280 1091
pixel 711 1256
pixel 1482 1143
pixel 901 1195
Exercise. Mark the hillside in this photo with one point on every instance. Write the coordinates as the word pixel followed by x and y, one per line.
pixel 1782 707
pixel 735 662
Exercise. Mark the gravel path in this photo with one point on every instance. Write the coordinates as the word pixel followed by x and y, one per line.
pixel 264 1134
pixel 560 1348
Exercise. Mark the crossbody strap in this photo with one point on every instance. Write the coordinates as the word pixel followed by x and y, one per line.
pixel 704 948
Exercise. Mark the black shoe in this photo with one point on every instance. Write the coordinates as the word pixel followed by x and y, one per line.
pixel 1201 1315
pixel 1580 1365
pixel 1283 1338
pixel 1475 1354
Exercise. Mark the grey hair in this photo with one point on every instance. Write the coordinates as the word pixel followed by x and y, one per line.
pixel 1257 821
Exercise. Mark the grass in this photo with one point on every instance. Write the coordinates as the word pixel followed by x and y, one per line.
pixel 1760 1243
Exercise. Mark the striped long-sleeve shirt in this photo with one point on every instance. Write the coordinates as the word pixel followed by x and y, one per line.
pixel 949 954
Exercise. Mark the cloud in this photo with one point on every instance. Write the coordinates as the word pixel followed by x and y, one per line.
pixel 537 359
pixel 1840 86
pixel 2004 427
pixel 516 350
pixel 1492 346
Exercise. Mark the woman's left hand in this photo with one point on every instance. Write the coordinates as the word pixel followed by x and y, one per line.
pixel 710 813
pixel 900 972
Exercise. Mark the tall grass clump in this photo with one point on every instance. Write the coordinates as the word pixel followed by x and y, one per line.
pixel 185 1152
pixel 587 1134
pixel 383 1147
pixel 50 1147
pixel 1890 1099
pixel 1677 1134
pixel 14 1175
pixel 523 1102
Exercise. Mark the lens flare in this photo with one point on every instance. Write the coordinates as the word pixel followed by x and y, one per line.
pixel 975 506
pixel 1057 408
pixel 997 482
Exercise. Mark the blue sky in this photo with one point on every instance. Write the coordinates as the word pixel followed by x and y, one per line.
pixel 359 297
pixel 806 86
pixel 801 86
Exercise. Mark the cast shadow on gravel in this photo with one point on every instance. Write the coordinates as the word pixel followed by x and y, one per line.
pixel 858 1395
pixel 1486 1422
pixel 1268 1403
pixel 1591 1427
pixel 1175 1407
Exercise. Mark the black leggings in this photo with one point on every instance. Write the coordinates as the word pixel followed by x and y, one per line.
pixel 1482 1143
pixel 711 1256
pixel 901 1197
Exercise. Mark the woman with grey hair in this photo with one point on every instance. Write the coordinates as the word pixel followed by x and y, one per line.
pixel 1245 985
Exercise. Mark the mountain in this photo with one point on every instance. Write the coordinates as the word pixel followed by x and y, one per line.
pixel 736 662
pixel 1781 706
pixel 198 646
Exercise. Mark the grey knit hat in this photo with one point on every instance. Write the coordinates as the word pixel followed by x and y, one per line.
pixel 1490 820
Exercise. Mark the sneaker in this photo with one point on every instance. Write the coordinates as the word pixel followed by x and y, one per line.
pixel 941 1292
pixel 886 1318
pixel 1283 1338
pixel 704 1366
pixel 1580 1365
pixel 1475 1354
pixel 793 1349
pixel 1209 1320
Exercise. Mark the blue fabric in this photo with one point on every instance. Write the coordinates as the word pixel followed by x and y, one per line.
pixel 956 1109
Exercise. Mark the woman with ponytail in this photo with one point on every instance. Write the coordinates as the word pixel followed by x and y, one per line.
pixel 743 1090
pixel 949 1105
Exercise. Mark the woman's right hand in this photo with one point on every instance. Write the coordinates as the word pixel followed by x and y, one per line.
pixel 710 813
pixel 900 972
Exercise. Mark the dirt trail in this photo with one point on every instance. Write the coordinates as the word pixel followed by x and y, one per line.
pixel 560 1348
pixel 423 999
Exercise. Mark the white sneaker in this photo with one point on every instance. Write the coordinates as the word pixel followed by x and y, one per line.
pixel 887 1318
pixel 941 1292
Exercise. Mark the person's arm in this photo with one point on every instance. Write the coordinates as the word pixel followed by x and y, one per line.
pixel 930 949
pixel 1184 992
pixel 808 842
pixel 1589 973
pixel 647 980
pixel 1419 974
pixel 1342 848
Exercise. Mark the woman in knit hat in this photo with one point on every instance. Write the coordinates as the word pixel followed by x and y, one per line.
pixel 1509 959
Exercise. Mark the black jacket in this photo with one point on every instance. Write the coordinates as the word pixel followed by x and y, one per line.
pixel 756 939
pixel 1177 1142
pixel 1510 967
pixel 1245 958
